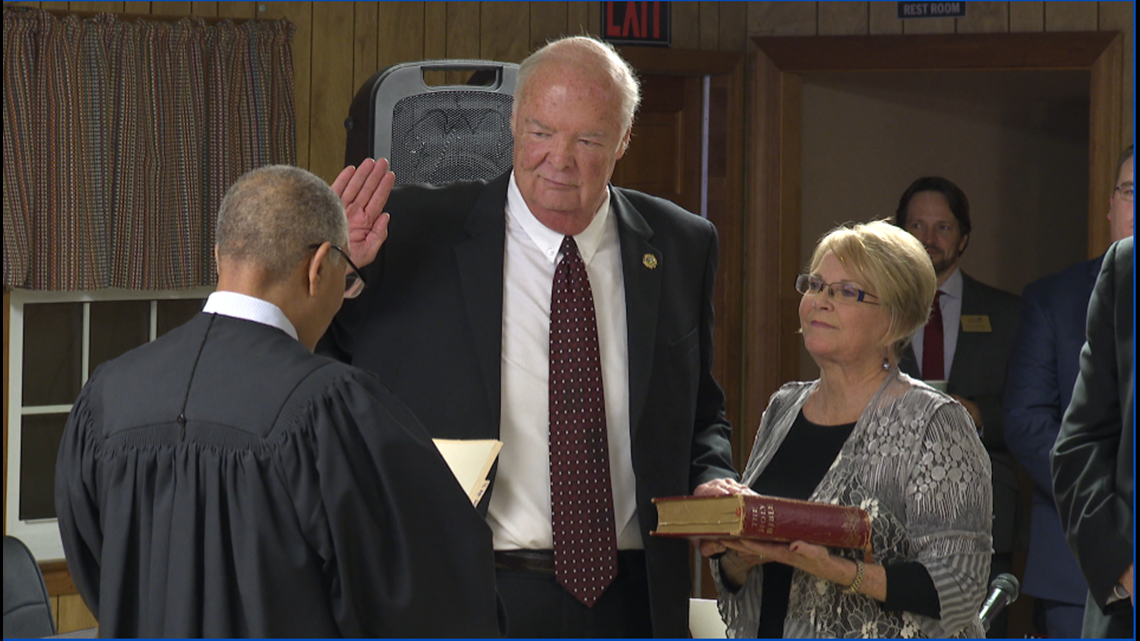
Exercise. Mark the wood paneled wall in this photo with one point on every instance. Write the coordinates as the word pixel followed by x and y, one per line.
pixel 338 45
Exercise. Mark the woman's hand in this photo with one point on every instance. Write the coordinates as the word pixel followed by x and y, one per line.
pixel 737 562
pixel 817 561
pixel 813 559
pixel 712 547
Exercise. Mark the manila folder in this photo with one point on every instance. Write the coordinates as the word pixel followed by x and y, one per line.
pixel 470 461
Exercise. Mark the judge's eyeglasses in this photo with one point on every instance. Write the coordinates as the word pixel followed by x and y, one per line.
pixel 353 281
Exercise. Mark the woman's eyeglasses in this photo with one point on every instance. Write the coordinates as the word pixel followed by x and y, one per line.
pixel 811 285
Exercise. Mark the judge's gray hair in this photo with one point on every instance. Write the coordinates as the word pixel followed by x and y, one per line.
pixel 589 53
pixel 271 216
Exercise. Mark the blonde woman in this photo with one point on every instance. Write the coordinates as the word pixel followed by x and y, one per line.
pixel 864 434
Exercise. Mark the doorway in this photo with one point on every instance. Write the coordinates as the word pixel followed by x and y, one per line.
pixel 687 147
pixel 1015 141
pixel 778 70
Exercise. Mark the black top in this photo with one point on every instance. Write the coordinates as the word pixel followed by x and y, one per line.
pixel 795 470
pixel 223 481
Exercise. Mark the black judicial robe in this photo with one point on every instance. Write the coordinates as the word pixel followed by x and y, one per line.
pixel 297 497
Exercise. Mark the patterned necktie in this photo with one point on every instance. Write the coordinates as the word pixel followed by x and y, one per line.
pixel 581 502
pixel 933 367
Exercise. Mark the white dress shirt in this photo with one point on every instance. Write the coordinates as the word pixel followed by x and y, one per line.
pixel 951 305
pixel 248 308
pixel 519 512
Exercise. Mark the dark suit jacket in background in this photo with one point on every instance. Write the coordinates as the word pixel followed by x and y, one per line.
pixel 978 374
pixel 1092 459
pixel 430 324
pixel 1042 369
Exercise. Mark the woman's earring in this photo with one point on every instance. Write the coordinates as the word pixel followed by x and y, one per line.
pixel 886 364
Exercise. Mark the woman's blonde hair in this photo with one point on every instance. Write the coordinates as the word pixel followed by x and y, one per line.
pixel 895 268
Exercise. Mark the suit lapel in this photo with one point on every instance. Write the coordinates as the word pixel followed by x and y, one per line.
pixel 480 262
pixel 642 293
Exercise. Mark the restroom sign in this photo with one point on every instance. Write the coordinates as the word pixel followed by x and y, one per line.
pixel 636 23
pixel 932 10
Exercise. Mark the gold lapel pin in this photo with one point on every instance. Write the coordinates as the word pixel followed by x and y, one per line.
pixel 649 260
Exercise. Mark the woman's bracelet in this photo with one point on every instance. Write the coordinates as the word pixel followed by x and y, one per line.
pixel 854 587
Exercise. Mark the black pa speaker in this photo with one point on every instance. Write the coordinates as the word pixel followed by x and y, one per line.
pixel 435 134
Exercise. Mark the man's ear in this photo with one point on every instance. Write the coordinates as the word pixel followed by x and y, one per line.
pixel 317 267
pixel 625 141
pixel 963 244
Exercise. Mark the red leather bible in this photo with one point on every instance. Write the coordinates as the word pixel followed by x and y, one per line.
pixel 765 518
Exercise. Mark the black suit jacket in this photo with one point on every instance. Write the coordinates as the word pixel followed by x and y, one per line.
pixel 978 374
pixel 1092 458
pixel 430 324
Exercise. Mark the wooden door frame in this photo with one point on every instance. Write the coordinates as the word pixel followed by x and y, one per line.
pixel 728 76
pixel 775 95
pixel 726 211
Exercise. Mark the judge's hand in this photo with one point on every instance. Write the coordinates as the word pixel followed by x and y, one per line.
pixel 1128 580
pixel 972 408
pixel 364 191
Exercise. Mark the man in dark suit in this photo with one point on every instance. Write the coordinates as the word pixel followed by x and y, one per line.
pixel 1042 370
pixel 966 344
pixel 465 321
pixel 1092 459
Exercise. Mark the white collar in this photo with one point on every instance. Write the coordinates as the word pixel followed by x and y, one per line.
pixel 548 240
pixel 953 285
pixel 248 308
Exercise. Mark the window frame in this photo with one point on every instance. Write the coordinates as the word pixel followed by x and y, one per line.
pixel 42 535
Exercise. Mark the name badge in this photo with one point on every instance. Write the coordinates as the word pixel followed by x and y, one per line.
pixel 976 323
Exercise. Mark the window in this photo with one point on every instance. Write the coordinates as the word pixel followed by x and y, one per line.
pixel 56 340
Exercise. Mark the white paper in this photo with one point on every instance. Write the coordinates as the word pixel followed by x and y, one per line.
pixel 470 461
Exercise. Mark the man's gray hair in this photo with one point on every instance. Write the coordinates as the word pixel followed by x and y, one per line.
pixel 271 216
pixel 589 53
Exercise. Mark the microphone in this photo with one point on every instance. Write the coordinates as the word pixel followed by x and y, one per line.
pixel 1004 590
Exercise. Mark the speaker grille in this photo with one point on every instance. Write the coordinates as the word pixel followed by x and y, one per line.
pixel 451 135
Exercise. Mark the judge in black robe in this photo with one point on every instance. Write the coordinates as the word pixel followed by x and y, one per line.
pixel 225 481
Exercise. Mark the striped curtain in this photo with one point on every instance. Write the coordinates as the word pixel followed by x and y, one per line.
pixel 120 139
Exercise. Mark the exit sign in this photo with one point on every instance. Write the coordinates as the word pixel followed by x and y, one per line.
pixel 636 23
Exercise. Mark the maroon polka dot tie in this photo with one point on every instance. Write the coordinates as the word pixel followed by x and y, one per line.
pixel 581 502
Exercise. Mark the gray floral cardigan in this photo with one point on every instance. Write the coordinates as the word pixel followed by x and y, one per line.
pixel 915 463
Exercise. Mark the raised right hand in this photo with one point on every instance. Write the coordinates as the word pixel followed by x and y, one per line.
pixel 364 191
